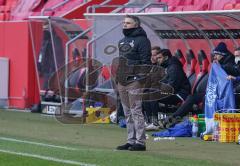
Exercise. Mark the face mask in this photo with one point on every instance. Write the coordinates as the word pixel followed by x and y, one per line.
pixel 127 32
pixel 237 59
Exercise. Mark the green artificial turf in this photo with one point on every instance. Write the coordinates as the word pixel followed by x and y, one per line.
pixel 95 144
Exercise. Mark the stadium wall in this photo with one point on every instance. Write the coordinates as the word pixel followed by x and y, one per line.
pixel 15 44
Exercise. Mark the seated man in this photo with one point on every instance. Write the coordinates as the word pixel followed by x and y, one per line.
pixel 224 57
pixel 175 77
pixel 234 69
pixel 151 115
pixel 220 55
pixel 219 94
pixel 154 52
pixel 235 74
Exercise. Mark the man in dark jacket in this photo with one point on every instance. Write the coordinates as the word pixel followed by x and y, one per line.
pixel 234 74
pixel 134 50
pixel 231 68
pixel 224 57
pixel 175 77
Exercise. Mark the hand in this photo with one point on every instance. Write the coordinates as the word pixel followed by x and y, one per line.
pixel 231 77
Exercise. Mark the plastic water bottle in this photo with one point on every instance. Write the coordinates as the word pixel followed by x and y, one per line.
pixel 194 127
pixel 156 139
pixel 216 131
pixel 208 137
pixel 163 138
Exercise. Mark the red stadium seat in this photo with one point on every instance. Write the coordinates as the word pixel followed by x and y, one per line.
pixel 171 8
pixel 186 2
pixel 177 5
pixel 203 61
pixel 203 64
pixel 71 5
pixel 50 4
pixel 2 8
pixel 189 8
pixel 237 6
pixel 202 4
pixel 178 8
pixel 191 64
pixel 228 6
pixel 180 56
pixel 11 3
pixel 173 2
pixel 2 16
pixel 2 2
pixel 200 84
pixel 5 8
pixel 222 5
pixel 7 16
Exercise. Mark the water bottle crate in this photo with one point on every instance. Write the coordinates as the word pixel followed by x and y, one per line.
pixel 229 126
pixel 98 115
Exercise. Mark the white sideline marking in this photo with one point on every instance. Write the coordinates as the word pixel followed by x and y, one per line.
pixel 46 158
pixel 36 143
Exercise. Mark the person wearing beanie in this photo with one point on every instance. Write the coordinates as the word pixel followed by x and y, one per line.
pixel 223 56
pixel 221 49
pixel 227 61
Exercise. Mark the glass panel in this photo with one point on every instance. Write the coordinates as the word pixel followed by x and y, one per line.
pixel 201 22
pixel 49 38
pixel 227 22
pixel 171 21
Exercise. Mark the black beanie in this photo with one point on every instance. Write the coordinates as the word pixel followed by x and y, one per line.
pixel 221 49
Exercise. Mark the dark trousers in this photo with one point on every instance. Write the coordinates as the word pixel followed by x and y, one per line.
pixel 187 105
pixel 151 108
pixel 237 99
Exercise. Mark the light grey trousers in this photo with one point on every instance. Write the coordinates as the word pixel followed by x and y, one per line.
pixel 131 100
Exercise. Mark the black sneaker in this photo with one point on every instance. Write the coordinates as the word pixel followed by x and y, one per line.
pixel 124 147
pixel 171 121
pixel 137 147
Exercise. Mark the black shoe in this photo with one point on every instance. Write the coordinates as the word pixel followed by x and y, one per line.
pixel 171 121
pixel 124 147
pixel 137 147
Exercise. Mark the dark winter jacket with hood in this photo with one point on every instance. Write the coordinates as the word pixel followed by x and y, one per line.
pixel 228 64
pixel 231 68
pixel 176 77
pixel 134 54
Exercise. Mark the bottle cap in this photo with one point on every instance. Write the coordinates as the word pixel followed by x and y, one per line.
pixel 208 137
pixel 195 117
